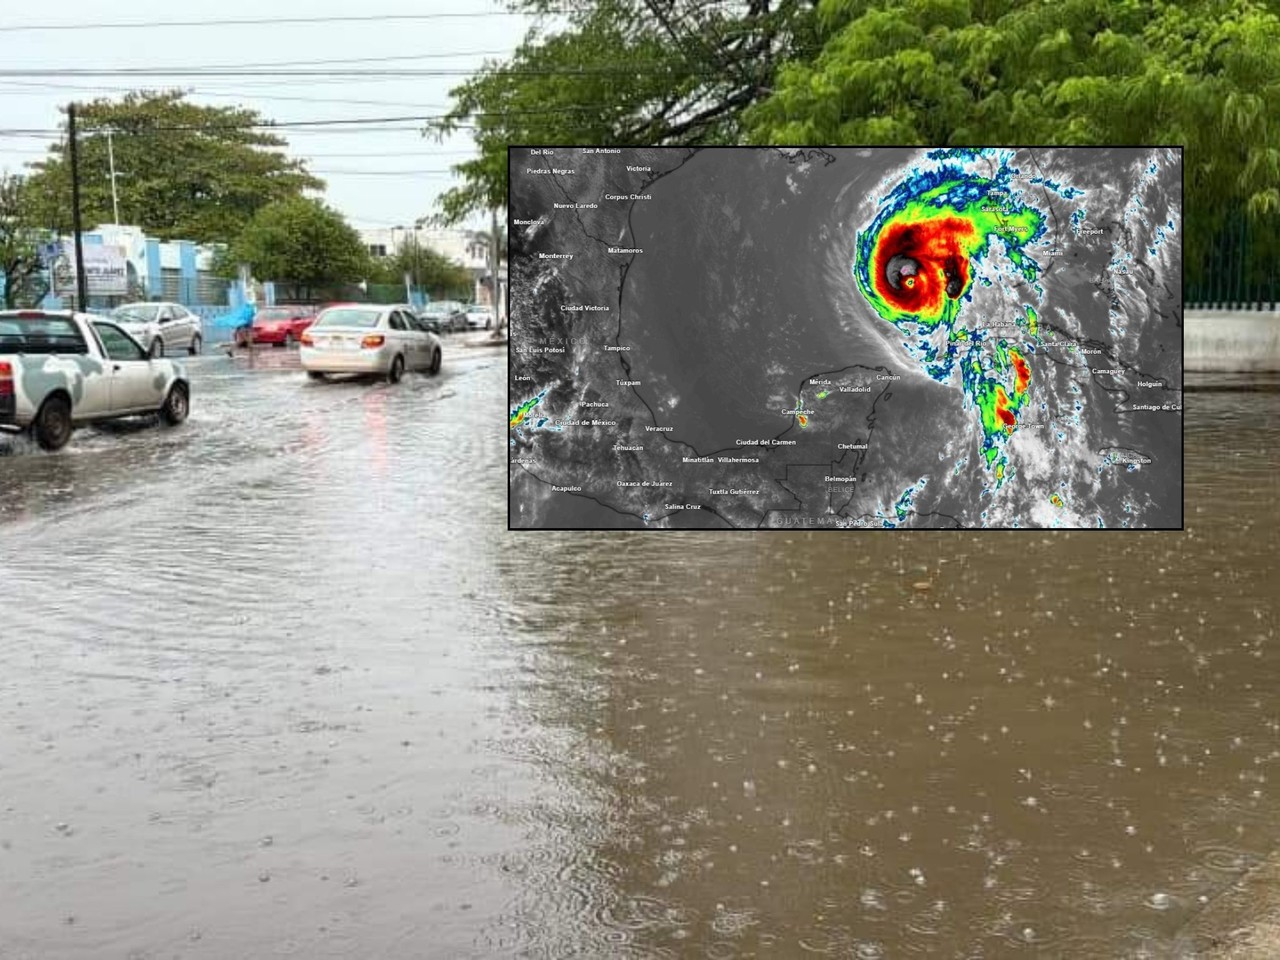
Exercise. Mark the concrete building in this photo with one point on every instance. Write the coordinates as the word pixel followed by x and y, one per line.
pixel 466 248
pixel 460 246
pixel 132 266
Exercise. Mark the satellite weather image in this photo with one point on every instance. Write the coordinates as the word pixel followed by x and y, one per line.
pixel 845 337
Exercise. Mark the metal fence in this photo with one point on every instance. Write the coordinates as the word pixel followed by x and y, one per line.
pixel 1238 267
pixel 354 293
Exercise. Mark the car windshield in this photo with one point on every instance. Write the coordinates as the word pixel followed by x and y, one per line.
pixel 349 317
pixel 281 313
pixel 136 312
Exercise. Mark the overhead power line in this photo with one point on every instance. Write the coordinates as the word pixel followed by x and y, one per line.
pixel 261 21
pixel 312 62
pixel 383 173
pixel 328 62
pixel 398 155
pixel 36 88
pixel 617 70
pixel 270 126
pixel 204 92
pixel 307 156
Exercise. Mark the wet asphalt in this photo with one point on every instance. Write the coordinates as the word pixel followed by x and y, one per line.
pixel 242 698
pixel 279 682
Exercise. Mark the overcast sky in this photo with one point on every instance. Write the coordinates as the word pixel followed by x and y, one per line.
pixel 385 176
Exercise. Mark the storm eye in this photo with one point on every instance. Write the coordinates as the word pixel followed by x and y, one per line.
pixel 900 268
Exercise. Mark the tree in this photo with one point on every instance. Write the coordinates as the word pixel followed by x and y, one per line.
pixel 303 244
pixel 21 271
pixel 184 171
pixel 427 269
pixel 945 72
pixel 951 72
pixel 621 71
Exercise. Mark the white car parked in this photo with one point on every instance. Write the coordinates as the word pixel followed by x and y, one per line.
pixel 480 317
pixel 368 339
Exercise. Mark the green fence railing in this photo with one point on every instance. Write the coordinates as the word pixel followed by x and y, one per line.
pixel 1239 266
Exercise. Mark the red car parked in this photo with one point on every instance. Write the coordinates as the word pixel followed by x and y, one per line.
pixel 283 323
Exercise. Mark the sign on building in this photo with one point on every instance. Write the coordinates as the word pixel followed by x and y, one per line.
pixel 105 269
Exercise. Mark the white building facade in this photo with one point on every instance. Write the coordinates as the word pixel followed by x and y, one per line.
pixel 462 247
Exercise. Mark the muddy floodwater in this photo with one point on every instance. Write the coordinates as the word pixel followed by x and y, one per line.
pixel 280 683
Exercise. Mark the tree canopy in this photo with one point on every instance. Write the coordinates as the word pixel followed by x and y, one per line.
pixel 21 271
pixel 183 171
pixel 620 71
pixel 429 270
pixel 1205 74
pixel 303 244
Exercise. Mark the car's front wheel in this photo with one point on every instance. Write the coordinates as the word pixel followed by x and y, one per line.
pixel 290 341
pixel 176 405
pixel 157 348
pixel 435 364
pixel 396 370
pixel 52 425
pixel 196 343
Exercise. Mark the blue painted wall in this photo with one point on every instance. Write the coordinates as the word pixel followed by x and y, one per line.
pixel 155 286
pixel 187 265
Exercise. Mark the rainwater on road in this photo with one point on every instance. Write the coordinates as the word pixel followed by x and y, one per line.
pixel 279 682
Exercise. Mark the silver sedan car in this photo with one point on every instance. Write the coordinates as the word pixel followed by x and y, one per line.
pixel 368 339
pixel 161 327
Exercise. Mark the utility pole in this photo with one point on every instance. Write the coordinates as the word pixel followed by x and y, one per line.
pixel 111 161
pixel 82 286
pixel 493 270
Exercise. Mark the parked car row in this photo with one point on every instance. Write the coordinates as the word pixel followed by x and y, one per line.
pixel 164 327
pixel 447 315
pixel 283 324
pixel 60 369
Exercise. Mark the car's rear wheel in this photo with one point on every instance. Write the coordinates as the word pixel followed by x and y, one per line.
pixel 435 364
pixel 157 347
pixel 396 370
pixel 52 425
pixel 290 341
pixel 176 405
pixel 196 343
pixel 314 375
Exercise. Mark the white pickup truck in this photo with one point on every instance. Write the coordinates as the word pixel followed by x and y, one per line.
pixel 60 370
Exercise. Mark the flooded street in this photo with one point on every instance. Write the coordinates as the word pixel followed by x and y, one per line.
pixel 279 682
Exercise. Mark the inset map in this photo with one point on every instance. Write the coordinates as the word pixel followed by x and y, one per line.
pixel 846 337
